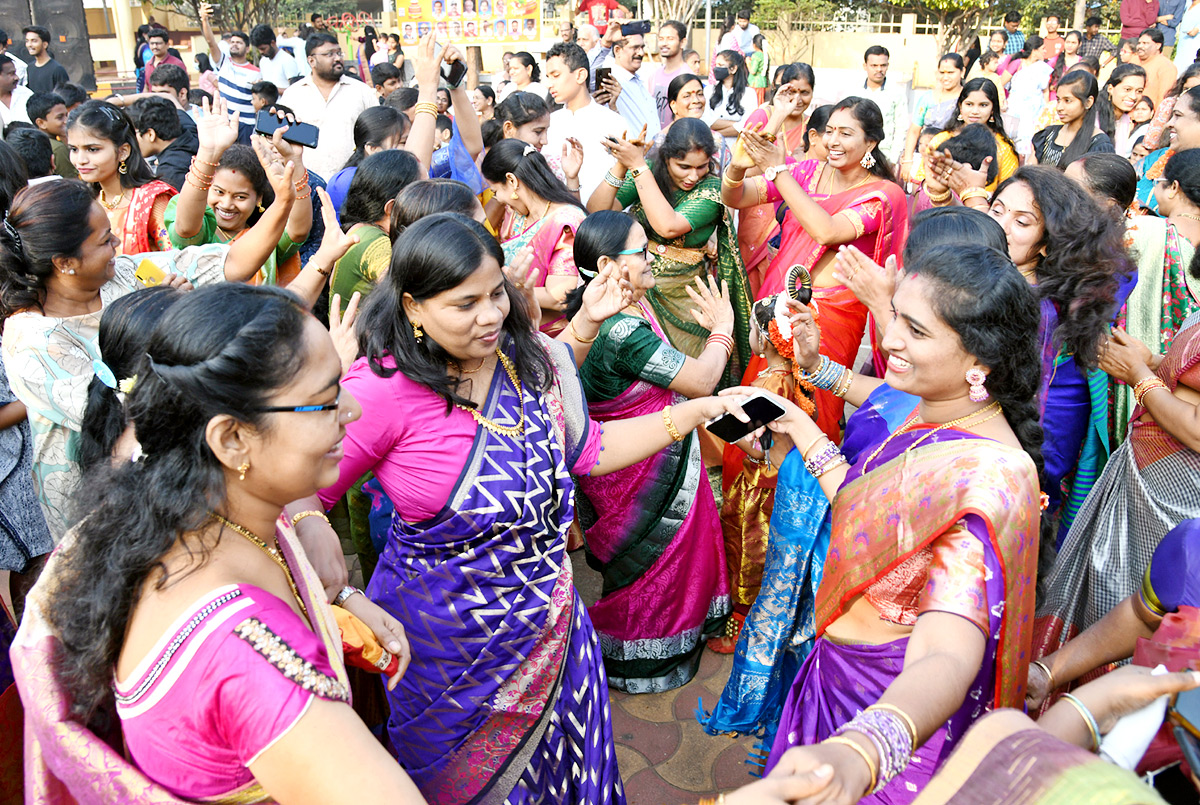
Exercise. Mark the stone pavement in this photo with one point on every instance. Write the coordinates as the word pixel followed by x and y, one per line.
pixel 664 755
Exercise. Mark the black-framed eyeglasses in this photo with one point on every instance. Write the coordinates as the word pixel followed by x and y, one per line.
pixel 300 409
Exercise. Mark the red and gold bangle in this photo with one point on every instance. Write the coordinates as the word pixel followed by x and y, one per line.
pixel 722 339
pixel 212 165
pixel 1145 387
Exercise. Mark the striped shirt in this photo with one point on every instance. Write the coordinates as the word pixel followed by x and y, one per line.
pixel 234 82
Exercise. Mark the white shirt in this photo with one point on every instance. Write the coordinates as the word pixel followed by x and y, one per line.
pixel 635 103
pixel 710 116
pixel 334 116
pixel 279 70
pixel 590 125
pixel 22 68
pixel 297 46
pixel 893 104
pixel 15 111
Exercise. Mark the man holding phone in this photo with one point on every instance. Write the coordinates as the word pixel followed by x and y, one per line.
pixel 330 101
pixel 581 119
pixel 635 103
pixel 235 74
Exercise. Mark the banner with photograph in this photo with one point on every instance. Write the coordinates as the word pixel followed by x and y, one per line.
pixel 471 22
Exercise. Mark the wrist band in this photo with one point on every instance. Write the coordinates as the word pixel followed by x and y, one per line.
pixel 722 340
pixel 676 436
pixel 575 333
pixel 324 272
pixel 905 717
pixel 1093 727
pixel 298 516
pixel 941 198
pixel 1046 670
pixel 825 459
pixel 212 165
pixel 812 444
pixel 844 741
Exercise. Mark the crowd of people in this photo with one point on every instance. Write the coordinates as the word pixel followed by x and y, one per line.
pixel 315 375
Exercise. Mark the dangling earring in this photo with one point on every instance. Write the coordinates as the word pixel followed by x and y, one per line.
pixel 261 209
pixel 418 333
pixel 868 161
pixel 514 195
pixel 245 466
pixel 976 378
pixel 123 168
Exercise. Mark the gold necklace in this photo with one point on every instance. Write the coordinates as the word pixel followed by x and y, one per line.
pixel 113 205
pixel 482 361
pixel 773 370
pixel 1188 215
pixel 269 551
pixel 914 419
pixel 495 427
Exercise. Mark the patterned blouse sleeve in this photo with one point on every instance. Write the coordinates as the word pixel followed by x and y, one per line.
pixel 866 214
pixel 562 259
pixel 642 355
pixel 271 666
pixel 801 171
pixel 957 581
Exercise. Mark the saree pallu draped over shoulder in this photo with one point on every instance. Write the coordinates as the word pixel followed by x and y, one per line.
pixel 509 700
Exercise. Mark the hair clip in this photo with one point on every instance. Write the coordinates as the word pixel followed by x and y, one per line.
pixel 14 234
pixel 529 149
pixel 127 384
pixel 106 376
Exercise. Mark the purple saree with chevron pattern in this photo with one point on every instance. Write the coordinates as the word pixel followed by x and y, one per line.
pixel 506 700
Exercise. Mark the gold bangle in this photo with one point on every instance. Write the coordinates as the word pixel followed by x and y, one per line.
pixel 973 192
pixel 298 516
pixel 811 445
pixel 425 106
pixel 575 333
pixel 676 436
pixel 853 744
pixel 1088 719
pixel 1046 670
pixel 912 727
pixel 725 180
pixel 938 199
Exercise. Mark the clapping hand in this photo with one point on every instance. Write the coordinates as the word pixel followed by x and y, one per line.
pixel 279 173
pixel 764 151
pixel 342 331
pixel 629 154
pixel 520 273
pixel 713 310
pixel 608 293
pixel 572 158
pixel 872 283
pixel 217 130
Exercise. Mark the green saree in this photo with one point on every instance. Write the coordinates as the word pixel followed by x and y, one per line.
pixel 679 261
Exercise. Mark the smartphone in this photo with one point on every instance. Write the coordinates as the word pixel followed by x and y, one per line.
pixel 454 72
pixel 633 28
pixel 304 134
pixel 602 75
pixel 1185 711
pixel 149 274
pixel 759 407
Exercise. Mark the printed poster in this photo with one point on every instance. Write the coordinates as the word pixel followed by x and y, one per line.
pixel 471 22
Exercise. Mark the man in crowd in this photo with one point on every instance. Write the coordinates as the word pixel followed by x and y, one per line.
pixel 318 23
pixel 158 40
pixel 48 112
pixel 1170 12
pixel 635 103
pixel 45 73
pixel 566 31
pixel 581 118
pixel 386 78
pixel 892 101
pixel 1095 44
pixel 33 147
pixel 276 66
pixel 1053 40
pixel 160 137
pixel 295 46
pixel 671 37
pixel 744 31
pixel 13 96
pixel 588 38
pixel 1160 71
pixel 172 83
pixel 1016 37
pixel 235 74
pixel 18 63
pixel 331 102
pixel 1137 16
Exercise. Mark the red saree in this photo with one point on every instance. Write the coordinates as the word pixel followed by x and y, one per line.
pixel 138 232
pixel 879 212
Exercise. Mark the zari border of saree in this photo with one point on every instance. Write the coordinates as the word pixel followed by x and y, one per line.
pixel 974 748
pixel 246 795
pixel 916 497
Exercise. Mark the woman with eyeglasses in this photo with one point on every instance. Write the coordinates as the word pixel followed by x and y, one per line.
pixel 104 149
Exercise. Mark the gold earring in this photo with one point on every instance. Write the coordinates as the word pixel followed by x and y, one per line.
pixel 245 466
pixel 260 207
pixel 418 333
pixel 123 168
pixel 514 195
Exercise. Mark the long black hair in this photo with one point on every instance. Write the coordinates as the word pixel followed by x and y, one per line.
pixel 373 127
pixel 995 122
pixel 51 220
pixel 866 113
pixel 432 256
pixel 602 234
pixel 526 58
pixel 530 168
pixel 110 123
pixel 978 293
pixel 125 329
pixel 1111 177
pixel 13 176
pixel 376 182
pixel 1108 114
pixel 817 122
pixel 204 359
pixel 1085 258
pixel 1082 85
pixel 1060 63
pixel 687 134
pixel 733 104
pixel 521 108
pixel 428 197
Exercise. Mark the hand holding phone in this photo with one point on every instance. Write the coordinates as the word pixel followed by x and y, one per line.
pixel 305 134
pixel 759 407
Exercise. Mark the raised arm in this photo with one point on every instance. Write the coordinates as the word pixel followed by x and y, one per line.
pixel 300 221
pixel 248 253
pixel 424 127
pixel 465 118
pixel 663 218
pixel 214 44
pixel 316 272
pixel 713 312
pixel 217 130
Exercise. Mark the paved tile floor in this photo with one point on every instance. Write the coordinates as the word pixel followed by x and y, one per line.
pixel 664 755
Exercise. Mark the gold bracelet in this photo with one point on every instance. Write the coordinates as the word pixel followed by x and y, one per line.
pixel 1046 670
pixel 973 192
pixel 912 727
pixel 425 106
pixel 853 744
pixel 575 334
pixel 938 199
pixel 676 436
pixel 811 445
pixel 298 516
pixel 725 180
pixel 1088 718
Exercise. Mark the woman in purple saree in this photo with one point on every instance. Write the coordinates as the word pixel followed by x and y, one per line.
pixel 473 424
pixel 932 555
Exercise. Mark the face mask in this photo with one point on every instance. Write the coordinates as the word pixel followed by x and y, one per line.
pixel 720 73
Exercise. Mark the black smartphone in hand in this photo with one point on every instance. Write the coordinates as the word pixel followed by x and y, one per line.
pixel 454 72
pixel 304 134
pixel 759 407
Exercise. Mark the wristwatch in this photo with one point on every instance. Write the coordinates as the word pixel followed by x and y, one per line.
pixel 770 173
pixel 346 592
pixel 636 172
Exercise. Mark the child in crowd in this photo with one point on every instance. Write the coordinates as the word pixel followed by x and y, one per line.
pixel 264 95
pixel 48 111
pixel 758 65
